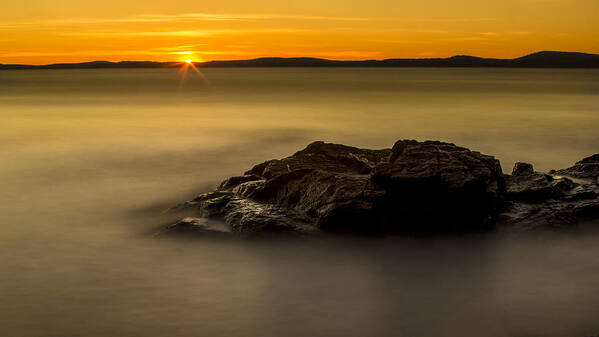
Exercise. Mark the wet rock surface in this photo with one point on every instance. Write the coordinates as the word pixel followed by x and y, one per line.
pixel 588 168
pixel 200 225
pixel 415 186
pixel 561 198
pixel 522 169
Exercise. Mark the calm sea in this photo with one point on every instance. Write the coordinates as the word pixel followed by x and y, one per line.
pixel 90 158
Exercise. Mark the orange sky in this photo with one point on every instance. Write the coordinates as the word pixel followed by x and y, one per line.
pixel 44 31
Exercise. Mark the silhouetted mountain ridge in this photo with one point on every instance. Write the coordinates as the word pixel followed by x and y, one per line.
pixel 557 58
pixel 543 59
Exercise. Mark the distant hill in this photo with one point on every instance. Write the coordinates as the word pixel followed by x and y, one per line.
pixel 93 65
pixel 547 59
pixel 544 59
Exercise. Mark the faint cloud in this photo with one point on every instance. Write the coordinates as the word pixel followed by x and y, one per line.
pixel 520 33
pixel 94 53
pixel 448 20
pixel 430 31
pixel 270 16
pixel 207 52
pixel 237 46
pixel 184 47
pixel 397 41
pixel 333 54
pixel 485 36
pixel 219 52
pixel 85 21
pixel 184 17
pixel 187 33
pixel 465 38
pixel 79 53
pixel 354 53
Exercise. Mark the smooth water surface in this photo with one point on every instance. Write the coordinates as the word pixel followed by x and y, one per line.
pixel 90 158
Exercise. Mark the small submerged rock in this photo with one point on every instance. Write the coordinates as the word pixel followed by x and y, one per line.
pixel 426 186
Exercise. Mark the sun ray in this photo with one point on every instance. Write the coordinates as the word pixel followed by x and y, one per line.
pixel 184 69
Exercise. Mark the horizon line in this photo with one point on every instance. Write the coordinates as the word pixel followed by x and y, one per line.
pixel 306 58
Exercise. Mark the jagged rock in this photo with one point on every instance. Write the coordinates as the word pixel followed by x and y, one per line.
pixel 534 187
pixel 414 186
pixel 557 199
pixel 522 169
pixel 588 168
pixel 423 186
pixel 235 181
pixel 247 216
pixel 325 157
pixel 439 185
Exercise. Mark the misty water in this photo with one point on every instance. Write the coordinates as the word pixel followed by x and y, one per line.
pixel 90 159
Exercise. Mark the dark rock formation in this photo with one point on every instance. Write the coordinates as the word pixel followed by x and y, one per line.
pixel 588 168
pixel 522 169
pixel 534 187
pixel 438 186
pixel 558 199
pixel 426 186
pixel 416 186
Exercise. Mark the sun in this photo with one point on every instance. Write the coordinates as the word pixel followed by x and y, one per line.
pixel 186 64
